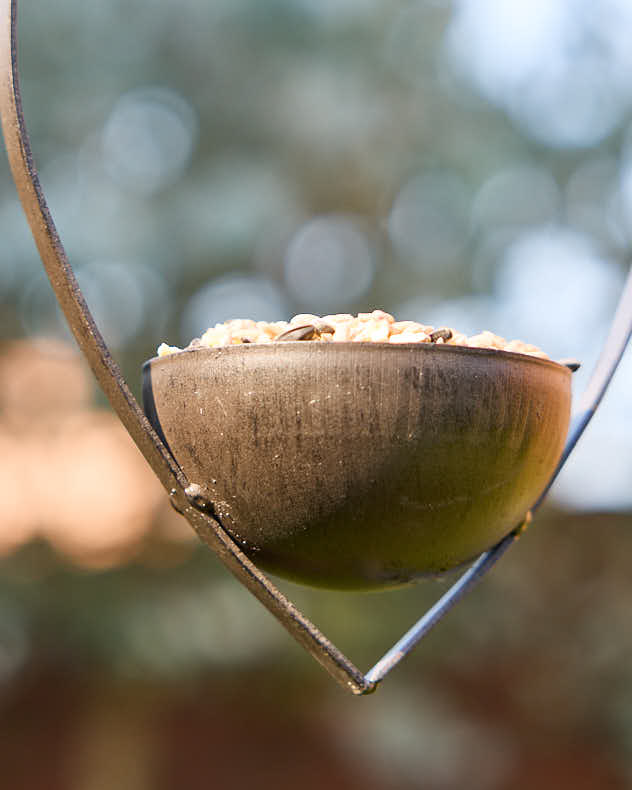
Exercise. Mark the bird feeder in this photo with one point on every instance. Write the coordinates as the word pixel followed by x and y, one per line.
pixel 341 465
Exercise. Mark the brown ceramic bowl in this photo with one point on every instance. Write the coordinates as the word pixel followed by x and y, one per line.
pixel 360 465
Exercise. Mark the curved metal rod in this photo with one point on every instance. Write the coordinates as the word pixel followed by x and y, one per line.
pixel 109 375
pixel 609 359
pixel 461 587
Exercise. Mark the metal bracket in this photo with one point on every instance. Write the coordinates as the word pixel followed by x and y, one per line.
pixel 165 466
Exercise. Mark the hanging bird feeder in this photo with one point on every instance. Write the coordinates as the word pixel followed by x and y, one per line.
pixel 361 465
pixel 342 465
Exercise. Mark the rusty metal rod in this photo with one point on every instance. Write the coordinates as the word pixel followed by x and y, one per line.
pixel 109 376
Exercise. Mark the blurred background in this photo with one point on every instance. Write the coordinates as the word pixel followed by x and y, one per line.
pixel 459 163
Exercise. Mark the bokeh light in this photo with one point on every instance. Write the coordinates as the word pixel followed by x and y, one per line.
pixel 330 111
pixel 429 221
pixel 123 298
pixel 329 263
pixel 518 196
pixel 185 630
pixel 392 738
pixel 594 202
pixel 339 13
pixel 556 67
pixel 232 206
pixel 38 310
pixel 148 139
pixel 19 259
pixel 555 288
pixel 468 314
pixel 597 476
pixel 232 296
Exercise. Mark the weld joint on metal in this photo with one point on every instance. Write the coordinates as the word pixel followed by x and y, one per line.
pixel 522 528
pixel 196 497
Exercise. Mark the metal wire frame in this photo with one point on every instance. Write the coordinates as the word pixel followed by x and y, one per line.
pixel 165 466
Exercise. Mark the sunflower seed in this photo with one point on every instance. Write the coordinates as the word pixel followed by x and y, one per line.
pixel 440 334
pixel 307 332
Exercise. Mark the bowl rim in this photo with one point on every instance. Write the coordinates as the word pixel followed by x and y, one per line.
pixel 364 346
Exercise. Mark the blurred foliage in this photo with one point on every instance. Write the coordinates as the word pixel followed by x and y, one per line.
pixel 527 680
